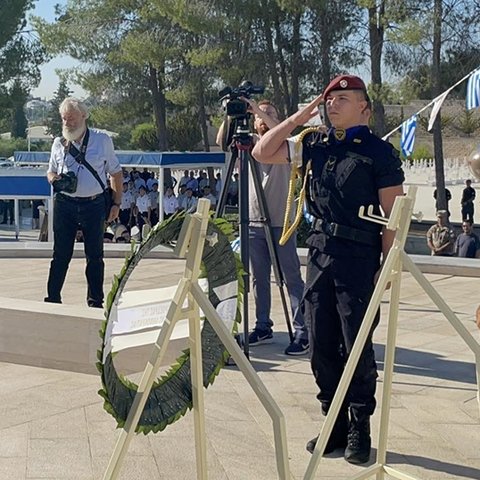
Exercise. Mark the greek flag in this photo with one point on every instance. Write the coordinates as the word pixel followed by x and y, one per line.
pixel 473 91
pixel 408 135
pixel 235 244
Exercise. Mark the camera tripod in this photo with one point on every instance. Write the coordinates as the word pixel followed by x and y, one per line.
pixel 240 146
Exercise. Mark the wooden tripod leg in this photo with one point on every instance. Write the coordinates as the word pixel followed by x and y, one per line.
pixel 145 386
pixel 251 376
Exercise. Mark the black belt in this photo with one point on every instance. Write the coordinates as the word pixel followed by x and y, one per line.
pixel 80 199
pixel 344 232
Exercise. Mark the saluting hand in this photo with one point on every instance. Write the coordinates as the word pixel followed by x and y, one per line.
pixel 307 112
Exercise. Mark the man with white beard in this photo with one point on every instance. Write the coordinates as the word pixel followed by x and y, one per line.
pixel 79 163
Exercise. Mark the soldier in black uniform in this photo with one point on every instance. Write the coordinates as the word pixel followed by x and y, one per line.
pixel 350 167
pixel 468 196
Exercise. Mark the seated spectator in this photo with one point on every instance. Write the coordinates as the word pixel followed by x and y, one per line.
pixel 192 183
pixel 139 181
pixel 189 202
pixel 142 208
pixel 170 203
pixel 184 180
pixel 108 237
pixel 203 182
pixel 127 205
pixel 122 235
pixel 145 175
pixel 208 195
pixel 467 244
pixel 232 193
pixel 441 237
pixel 132 189
pixel 153 196
pixel 150 181
pixel 181 194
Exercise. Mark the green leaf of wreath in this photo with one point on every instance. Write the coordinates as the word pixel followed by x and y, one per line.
pixel 171 396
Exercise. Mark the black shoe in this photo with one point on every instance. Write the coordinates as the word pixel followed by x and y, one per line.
pixel 259 337
pixel 52 300
pixel 95 304
pixel 359 441
pixel 338 437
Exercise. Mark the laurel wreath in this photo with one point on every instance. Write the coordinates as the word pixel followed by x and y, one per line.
pixel 171 395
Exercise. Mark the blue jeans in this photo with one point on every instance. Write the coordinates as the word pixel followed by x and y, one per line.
pixel 260 264
pixel 69 216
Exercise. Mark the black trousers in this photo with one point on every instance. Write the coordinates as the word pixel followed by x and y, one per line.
pixel 125 217
pixel 8 210
pixel 71 214
pixel 337 293
pixel 467 212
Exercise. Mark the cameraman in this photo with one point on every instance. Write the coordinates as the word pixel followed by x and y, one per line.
pixel 275 181
pixel 87 155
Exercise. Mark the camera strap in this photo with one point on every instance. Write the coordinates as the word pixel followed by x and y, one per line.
pixel 79 155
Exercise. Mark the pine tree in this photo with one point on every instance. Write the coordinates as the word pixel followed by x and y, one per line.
pixel 18 98
pixel 54 122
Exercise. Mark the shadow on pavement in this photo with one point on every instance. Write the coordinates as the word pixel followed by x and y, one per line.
pixel 428 364
pixel 454 469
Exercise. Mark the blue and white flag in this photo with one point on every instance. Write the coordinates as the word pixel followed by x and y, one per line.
pixel 438 102
pixel 408 135
pixel 235 244
pixel 473 91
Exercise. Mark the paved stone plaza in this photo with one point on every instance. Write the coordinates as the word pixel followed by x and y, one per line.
pixel 53 426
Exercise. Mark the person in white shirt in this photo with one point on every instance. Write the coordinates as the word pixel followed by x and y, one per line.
pixel 81 203
pixel 150 181
pixel 143 208
pixel 181 194
pixel 208 195
pixel 139 181
pixel 126 206
pixel 189 203
pixel 153 196
pixel 170 203
pixel 203 181
pixel 184 180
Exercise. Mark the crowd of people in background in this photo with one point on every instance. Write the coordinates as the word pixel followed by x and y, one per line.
pixel 139 210
pixel 442 239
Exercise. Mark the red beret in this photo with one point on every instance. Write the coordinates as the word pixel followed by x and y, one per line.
pixel 345 82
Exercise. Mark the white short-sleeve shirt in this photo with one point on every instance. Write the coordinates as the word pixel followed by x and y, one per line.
pixel 143 203
pixel 99 154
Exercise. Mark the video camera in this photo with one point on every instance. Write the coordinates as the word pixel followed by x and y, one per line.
pixel 234 106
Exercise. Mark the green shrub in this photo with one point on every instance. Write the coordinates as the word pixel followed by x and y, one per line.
pixel 8 146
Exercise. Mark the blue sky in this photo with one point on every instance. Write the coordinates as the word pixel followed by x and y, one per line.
pixel 49 82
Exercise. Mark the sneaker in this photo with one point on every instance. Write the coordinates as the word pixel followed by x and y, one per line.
pixel 298 347
pixel 258 337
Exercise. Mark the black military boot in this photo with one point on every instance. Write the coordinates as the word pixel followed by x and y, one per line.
pixel 359 441
pixel 338 437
